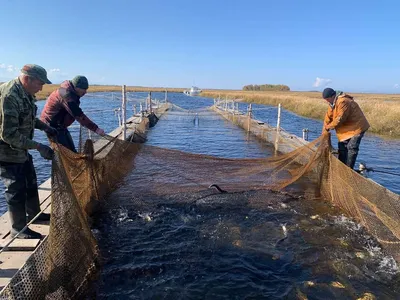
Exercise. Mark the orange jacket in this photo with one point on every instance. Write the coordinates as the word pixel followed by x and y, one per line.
pixel 346 117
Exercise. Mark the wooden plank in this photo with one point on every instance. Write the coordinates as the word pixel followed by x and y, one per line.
pixel 44 193
pixel 10 263
pixel 20 245
pixel 43 229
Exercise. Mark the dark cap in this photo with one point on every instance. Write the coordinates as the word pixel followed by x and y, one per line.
pixel 328 92
pixel 80 82
pixel 37 72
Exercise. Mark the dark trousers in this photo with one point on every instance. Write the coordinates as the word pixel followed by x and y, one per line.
pixel 64 138
pixel 21 191
pixel 348 150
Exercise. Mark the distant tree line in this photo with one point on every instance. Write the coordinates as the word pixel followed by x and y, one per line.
pixel 266 87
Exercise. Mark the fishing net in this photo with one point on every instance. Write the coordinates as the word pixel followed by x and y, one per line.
pixel 313 165
pixel 68 260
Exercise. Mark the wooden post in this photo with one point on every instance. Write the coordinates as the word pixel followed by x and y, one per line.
pixel 249 110
pixel 166 96
pixel 150 103
pixel 305 134
pixel 134 109
pixel 278 126
pixel 124 112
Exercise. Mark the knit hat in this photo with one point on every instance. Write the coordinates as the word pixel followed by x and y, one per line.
pixel 328 92
pixel 80 82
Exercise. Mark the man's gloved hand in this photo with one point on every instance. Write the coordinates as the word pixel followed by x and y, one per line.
pixel 51 131
pixel 100 131
pixel 45 151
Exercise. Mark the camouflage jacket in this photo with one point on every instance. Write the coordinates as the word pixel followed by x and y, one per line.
pixel 17 122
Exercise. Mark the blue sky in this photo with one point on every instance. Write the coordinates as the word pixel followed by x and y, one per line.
pixel 348 45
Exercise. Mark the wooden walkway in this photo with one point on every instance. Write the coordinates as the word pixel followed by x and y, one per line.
pixel 16 254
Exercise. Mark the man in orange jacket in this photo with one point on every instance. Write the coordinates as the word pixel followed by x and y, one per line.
pixel 347 119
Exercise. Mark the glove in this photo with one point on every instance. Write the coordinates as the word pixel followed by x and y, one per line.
pixel 51 133
pixel 45 151
pixel 100 131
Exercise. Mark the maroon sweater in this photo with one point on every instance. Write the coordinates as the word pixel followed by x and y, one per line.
pixel 62 109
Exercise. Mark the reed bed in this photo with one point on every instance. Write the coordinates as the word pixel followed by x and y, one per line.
pixel 382 111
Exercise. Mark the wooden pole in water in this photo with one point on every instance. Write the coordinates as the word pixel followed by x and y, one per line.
pixel 166 98
pixel 278 126
pixel 124 112
pixel 305 134
pixel 249 110
pixel 150 103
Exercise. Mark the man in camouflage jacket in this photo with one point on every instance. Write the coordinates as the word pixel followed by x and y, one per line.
pixel 17 123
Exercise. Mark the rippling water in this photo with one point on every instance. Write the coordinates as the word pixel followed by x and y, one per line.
pixel 222 248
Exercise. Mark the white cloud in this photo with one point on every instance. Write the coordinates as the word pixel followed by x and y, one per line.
pixel 321 82
pixel 396 86
pixel 55 70
pixel 11 68
pixel 8 68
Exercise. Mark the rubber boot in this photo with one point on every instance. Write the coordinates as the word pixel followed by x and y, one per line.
pixel 17 217
pixel 27 234
pixel 43 217
pixel 18 222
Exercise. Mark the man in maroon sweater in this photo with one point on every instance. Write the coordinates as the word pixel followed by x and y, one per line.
pixel 62 109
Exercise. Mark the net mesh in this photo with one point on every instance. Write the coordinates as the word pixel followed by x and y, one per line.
pixel 68 260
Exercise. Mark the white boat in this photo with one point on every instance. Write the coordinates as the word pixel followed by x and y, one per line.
pixel 194 91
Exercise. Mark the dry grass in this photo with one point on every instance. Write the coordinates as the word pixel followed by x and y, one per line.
pixel 382 111
pixel 48 88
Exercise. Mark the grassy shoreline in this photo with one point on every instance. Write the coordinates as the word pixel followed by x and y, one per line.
pixel 382 111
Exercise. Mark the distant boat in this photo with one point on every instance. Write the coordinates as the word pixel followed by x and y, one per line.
pixel 194 91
